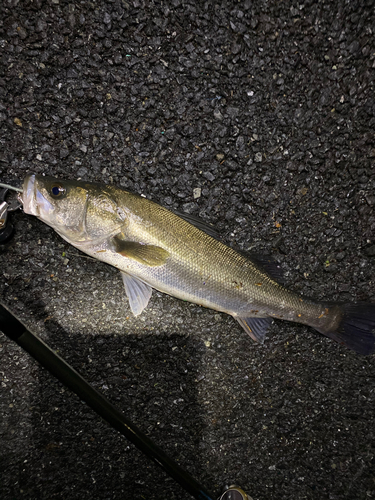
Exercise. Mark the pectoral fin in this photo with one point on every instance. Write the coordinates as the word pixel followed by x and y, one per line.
pixel 137 292
pixel 149 255
pixel 255 327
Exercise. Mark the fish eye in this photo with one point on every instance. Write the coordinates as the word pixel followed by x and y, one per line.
pixel 57 190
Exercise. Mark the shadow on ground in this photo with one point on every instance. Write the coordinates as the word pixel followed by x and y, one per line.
pixel 59 448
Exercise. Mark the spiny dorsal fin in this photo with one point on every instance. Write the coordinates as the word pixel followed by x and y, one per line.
pixel 204 226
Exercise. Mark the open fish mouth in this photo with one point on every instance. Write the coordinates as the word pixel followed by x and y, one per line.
pixel 28 195
pixel 33 200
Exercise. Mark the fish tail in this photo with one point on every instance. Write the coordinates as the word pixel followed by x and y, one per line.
pixel 356 328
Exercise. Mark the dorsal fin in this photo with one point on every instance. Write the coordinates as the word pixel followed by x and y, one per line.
pixel 206 227
pixel 269 265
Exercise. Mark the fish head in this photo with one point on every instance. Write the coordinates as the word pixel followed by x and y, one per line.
pixel 79 211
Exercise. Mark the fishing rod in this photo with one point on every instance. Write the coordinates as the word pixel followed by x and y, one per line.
pixel 40 351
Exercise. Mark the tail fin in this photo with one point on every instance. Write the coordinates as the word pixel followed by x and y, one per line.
pixel 357 328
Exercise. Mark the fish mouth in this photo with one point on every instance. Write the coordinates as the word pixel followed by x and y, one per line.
pixel 34 203
pixel 28 195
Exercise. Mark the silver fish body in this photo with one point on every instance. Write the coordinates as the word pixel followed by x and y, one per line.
pixel 155 248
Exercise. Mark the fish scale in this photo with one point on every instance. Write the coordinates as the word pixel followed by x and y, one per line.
pixel 203 269
pixel 189 272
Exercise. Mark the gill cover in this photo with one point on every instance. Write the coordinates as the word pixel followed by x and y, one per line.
pixel 79 211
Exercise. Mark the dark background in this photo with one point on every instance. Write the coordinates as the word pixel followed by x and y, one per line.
pixel 268 108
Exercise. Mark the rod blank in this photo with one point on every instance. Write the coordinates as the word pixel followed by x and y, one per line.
pixel 40 351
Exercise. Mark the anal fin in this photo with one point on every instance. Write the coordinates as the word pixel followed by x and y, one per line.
pixel 255 327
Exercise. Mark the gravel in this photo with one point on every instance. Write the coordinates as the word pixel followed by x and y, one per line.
pixel 258 117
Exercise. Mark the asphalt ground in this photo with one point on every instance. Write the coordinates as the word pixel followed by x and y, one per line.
pixel 258 117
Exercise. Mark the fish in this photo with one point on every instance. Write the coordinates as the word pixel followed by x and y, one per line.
pixel 155 248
